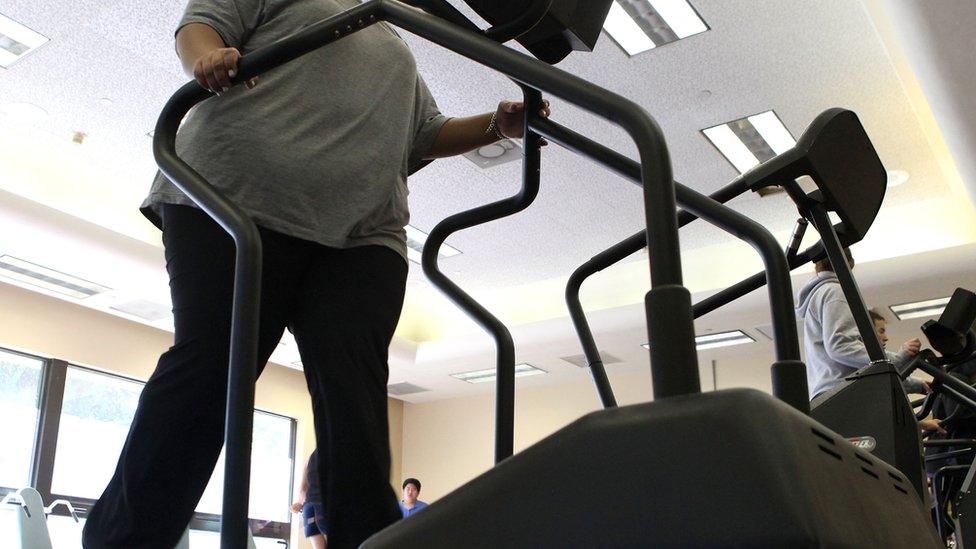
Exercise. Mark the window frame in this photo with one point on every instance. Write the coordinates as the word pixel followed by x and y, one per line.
pixel 54 374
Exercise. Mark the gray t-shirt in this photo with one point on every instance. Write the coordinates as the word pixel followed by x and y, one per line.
pixel 320 149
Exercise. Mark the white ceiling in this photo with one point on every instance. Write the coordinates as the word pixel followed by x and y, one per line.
pixel 794 56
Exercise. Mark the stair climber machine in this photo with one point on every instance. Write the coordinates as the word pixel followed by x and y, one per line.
pixel 732 467
pixel 837 154
pixel 950 460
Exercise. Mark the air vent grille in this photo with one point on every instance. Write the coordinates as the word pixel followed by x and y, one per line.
pixel 401 389
pixel 146 310
pixel 580 360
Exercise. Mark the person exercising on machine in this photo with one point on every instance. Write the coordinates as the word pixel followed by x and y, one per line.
pixel 317 154
pixel 833 347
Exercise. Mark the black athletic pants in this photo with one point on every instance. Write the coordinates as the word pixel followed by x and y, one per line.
pixel 342 305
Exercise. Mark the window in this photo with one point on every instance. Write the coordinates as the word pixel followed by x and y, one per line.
pixel 272 462
pixel 20 388
pixel 95 417
pixel 74 457
pixel 65 532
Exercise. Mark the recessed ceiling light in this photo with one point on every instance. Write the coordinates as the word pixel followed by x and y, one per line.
pixel 641 25
pixel 748 142
pixel 415 245
pixel 897 177
pixel 920 309
pixel 484 376
pixel 16 41
pixel 718 339
pixel 39 276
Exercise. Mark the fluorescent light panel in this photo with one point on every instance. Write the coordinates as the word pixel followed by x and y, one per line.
pixel 415 245
pixel 641 25
pixel 26 272
pixel 484 376
pixel 720 339
pixel 750 141
pixel 920 309
pixel 16 41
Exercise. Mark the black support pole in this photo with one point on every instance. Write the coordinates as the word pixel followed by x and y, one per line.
pixel 788 372
pixel 505 347
pixel 835 252
pixel 242 370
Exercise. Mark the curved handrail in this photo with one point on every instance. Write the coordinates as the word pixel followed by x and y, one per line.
pixel 505 347
pixel 242 370
pixel 674 366
pixel 789 374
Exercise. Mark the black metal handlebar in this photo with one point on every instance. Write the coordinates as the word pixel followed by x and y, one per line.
pixel 789 374
pixel 505 347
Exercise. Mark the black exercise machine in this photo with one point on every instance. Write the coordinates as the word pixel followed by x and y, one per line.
pixel 836 152
pixel 953 338
pixel 690 469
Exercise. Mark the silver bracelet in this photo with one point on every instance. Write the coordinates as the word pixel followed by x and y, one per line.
pixel 493 127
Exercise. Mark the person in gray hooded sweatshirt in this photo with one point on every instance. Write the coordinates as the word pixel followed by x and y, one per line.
pixel 833 346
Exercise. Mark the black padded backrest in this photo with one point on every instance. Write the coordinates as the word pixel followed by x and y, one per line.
pixel 846 168
pixel 569 25
pixel 837 154
pixel 960 313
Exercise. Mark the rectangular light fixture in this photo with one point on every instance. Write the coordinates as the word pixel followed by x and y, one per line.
pixel 26 272
pixel 750 141
pixel 641 25
pixel 16 41
pixel 720 339
pixel 484 376
pixel 920 309
pixel 415 245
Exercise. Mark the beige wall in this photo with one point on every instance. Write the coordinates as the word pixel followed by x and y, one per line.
pixel 53 328
pixel 448 442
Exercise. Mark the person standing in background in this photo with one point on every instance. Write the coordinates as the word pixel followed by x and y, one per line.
pixel 310 504
pixel 409 505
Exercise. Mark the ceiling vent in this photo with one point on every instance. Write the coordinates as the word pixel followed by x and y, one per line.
pixel 146 310
pixel 767 330
pixel 26 272
pixel 401 389
pixel 580 360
